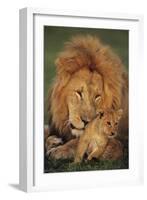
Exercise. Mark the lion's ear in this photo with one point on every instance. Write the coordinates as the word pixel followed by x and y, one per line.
pixel 67 65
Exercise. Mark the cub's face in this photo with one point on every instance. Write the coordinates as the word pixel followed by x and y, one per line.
pixel 111 122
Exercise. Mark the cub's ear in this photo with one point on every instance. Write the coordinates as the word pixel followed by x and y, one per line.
pixel 120 113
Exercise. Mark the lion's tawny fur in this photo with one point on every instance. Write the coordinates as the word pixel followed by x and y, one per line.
pixel 86 59
pixel 97 134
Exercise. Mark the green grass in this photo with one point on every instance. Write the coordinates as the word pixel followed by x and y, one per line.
pixel 68 166
pixel 61 165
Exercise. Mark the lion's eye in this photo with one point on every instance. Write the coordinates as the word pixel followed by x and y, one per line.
pixel 109 123
pixel 97 97
pixel 79 94
pixel 116 123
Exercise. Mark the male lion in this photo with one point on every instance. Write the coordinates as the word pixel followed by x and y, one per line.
pixel 89 77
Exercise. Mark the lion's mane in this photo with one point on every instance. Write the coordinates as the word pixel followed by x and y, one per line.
pixel 85 52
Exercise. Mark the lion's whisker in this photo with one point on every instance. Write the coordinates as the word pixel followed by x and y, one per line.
pixel 67 123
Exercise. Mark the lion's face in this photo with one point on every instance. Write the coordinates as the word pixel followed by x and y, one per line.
pixel 84 98
pixel 89 77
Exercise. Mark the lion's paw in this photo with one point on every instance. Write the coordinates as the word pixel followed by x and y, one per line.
pixel 52 142
pixel 60 152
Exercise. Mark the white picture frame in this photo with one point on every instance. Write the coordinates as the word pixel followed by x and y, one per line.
pixel 31 175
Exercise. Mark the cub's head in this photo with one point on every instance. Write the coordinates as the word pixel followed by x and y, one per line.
pixel 111 120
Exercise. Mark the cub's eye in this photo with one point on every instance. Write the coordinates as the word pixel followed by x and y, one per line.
pixel 109 123
pixel 116 123
pixel 79 94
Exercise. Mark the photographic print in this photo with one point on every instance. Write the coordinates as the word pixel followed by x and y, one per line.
pixel 81 109
pixel 85 99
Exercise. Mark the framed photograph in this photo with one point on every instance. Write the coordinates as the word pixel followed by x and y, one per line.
pixel 81 123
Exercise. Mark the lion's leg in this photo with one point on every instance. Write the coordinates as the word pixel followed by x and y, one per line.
pixel 52 142
pixel 55 150
pixel 65 151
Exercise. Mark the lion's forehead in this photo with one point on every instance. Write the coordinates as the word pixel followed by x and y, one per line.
pixel 97 80
pixel 92 82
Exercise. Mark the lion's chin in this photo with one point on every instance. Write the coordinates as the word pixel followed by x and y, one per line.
pixel 111 136
pixel 77 132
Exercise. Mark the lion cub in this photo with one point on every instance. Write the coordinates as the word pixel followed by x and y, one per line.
pixel 97 133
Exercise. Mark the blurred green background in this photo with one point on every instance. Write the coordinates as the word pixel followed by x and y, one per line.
pixel 54 38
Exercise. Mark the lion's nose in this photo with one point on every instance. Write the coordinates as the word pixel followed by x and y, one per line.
pixel 85 122
pixel 112 133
